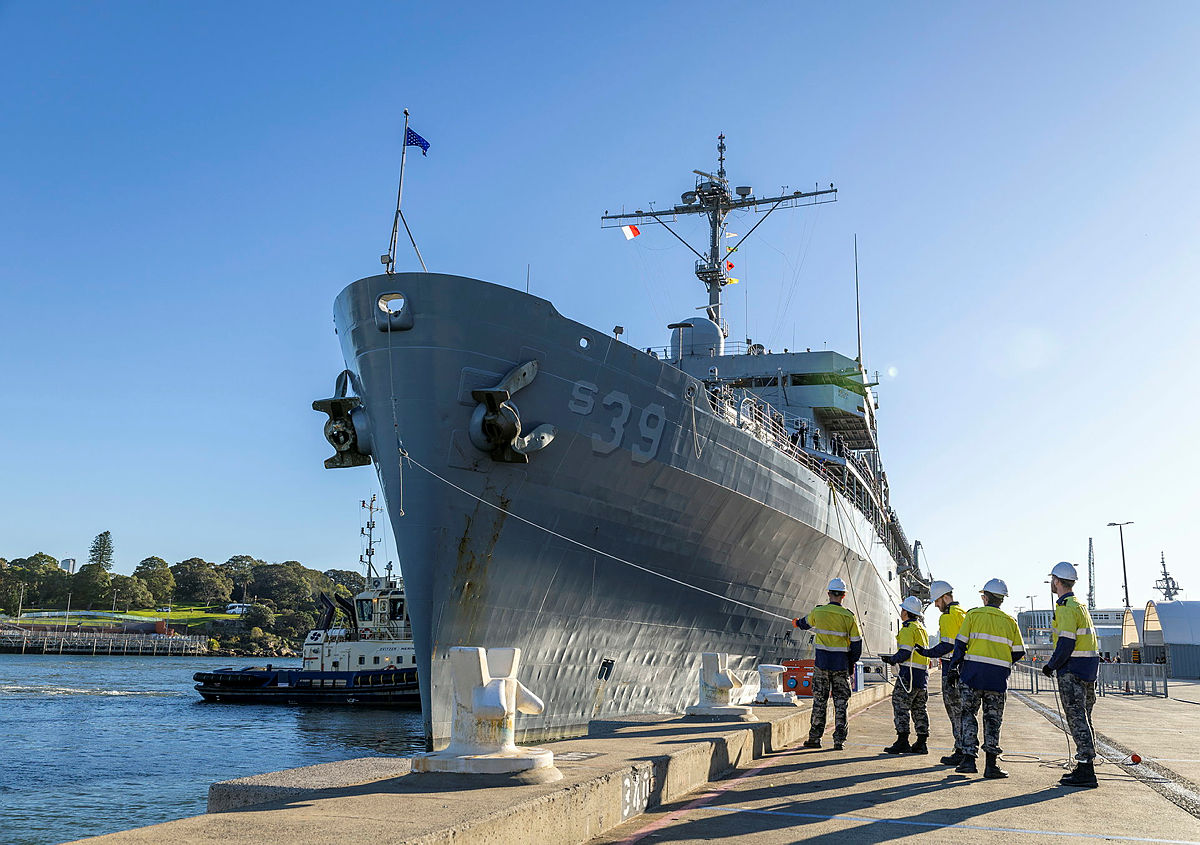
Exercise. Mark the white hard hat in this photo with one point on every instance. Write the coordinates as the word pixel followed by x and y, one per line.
pixel 837 585
pixel 938 589
pixel 1065 571
pixel 996 587
pixel 913 605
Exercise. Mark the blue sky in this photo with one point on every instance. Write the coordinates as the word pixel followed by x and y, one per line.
pixel 186 188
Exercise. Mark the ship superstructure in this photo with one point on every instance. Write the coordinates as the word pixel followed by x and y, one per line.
pixel 612 511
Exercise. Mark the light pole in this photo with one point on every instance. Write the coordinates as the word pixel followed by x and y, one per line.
pixel 1120 526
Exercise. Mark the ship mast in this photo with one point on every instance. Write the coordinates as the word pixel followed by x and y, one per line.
pixel 712 198
pixel 1166 585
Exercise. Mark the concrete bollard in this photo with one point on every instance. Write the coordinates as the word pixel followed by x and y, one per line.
pixel 717 685
pixel 487 697
pixel 770 686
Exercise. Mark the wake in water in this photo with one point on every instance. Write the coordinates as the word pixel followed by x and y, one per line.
pixel 43 690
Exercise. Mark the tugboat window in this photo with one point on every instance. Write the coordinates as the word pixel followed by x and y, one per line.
pixel 364 610
pixel 362 659
pixel 376 660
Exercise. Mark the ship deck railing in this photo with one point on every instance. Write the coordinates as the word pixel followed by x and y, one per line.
pixel 850 474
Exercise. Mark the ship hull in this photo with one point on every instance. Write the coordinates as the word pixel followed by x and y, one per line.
pixel 648 531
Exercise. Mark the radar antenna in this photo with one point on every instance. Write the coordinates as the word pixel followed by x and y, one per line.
pixel 711 197
pixel 1166 585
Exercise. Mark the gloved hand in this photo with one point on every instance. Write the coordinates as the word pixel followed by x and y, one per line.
pixel 1047 671
pixel 888 659
pixel 795 623
pixel 952 674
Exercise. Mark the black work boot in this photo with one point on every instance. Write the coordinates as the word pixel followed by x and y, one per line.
pixel 812 743
pixel 967 766
pixel 900 746
pixel 953 759
pixel 1084 776
pixel 839 744
pixel 919 746
pixel 991 769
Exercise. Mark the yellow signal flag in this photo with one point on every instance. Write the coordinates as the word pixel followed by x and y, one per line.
pixel 731 280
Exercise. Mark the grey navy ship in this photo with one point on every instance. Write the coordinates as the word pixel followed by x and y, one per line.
pixel 613 511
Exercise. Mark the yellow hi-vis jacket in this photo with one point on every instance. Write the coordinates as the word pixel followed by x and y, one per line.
pixel 914 666
pixel 987 645
pixel 1075 645
pixel 836 636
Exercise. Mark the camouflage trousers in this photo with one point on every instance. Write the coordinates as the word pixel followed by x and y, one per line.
pixel 993 716
pixel 952 698
pixel 914 701
pixel 1078 698
pixel 827 682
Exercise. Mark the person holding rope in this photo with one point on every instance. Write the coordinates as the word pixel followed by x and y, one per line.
pixel 838 644
pixel 987 645
pixel 910 694
pixel 1076 661
pixel 948 626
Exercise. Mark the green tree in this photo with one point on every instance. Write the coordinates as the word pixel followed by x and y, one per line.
pixel 352 581
pixel 198 582
pixel 131 591
pixel 286 584
pixel 239 569
pixel 156 573
pixel 91 586
pixel 101 552
pixel 294 624
pixel 259 617
pixel 46 584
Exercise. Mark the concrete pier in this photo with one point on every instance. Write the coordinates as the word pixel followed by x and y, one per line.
pixel 667 779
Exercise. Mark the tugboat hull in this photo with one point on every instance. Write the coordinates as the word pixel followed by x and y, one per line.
pixel 251 685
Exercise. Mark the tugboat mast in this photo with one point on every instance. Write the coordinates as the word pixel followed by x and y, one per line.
pixel 712 197
pixel 369 532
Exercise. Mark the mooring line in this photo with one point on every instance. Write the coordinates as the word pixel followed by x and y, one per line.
pixel 404 455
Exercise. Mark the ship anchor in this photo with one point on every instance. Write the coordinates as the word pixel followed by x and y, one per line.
pixel 346 429
pixel 496 423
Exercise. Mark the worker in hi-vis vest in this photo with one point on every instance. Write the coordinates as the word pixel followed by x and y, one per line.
pixel 838 644
pixel 910 693
pixel 1076 660
pixel 951 620
pixel 988 644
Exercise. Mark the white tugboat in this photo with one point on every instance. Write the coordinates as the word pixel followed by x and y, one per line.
pixel 370 660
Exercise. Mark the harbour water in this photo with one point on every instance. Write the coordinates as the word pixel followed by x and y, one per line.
pixel 99 744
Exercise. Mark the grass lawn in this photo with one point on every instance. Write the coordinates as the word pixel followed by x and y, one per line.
pixel 180 616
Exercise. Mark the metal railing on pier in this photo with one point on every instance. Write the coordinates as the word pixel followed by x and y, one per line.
pixel 1113 679
pixel 72 642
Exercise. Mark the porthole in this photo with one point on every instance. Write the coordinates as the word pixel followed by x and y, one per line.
pixel 585 342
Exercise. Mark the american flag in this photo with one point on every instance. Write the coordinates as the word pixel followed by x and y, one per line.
pixel 412 139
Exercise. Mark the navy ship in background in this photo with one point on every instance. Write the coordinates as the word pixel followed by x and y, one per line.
pixel 612 511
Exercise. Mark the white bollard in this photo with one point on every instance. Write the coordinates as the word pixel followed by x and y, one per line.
pixel 487 697
pixel 770 686
pixel 717 684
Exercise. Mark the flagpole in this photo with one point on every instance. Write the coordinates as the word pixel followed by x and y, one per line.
pixel 391 266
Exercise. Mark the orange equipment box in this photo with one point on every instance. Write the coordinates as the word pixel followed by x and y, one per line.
pixel 797 677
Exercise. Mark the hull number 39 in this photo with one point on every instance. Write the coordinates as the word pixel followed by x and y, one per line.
pixel 617 412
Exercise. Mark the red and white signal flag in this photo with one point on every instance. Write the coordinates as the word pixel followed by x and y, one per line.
pixel 631 232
